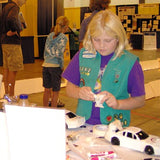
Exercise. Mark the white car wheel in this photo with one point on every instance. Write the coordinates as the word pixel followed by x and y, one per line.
pixel 115 141
pixel 149 150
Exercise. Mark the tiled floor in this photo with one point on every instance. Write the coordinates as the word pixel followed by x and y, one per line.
pixel 147 117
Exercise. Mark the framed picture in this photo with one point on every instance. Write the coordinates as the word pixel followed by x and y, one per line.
pixel 3 1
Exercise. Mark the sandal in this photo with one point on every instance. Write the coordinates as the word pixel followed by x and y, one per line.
pixel 60 104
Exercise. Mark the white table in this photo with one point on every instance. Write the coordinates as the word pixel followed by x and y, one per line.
pixel 4 149
pixel 123 153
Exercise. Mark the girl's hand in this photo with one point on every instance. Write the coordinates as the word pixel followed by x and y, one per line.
pixel 110 100
pixel 86 93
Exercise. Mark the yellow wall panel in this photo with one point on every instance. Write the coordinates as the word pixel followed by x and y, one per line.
pixel 29 11
pixel 113 9
pixel 150 9
pixel 67 50
pixel 73 15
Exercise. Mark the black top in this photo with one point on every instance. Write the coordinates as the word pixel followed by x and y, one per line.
pixel 10 21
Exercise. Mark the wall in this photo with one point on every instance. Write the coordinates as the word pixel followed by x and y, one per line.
pixel 74 13
pixel 29 11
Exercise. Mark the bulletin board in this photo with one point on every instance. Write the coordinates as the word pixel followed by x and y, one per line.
pixel 141 23
pixel 126 10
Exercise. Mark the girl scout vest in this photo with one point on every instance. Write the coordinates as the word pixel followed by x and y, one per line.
pixel 114 80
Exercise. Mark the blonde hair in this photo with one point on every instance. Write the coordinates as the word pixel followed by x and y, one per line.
pixel 110 23
pixel 61 22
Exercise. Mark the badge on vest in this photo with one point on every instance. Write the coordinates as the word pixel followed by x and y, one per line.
pixel 82 82
pixel 85 71
pixel 117 75
pixel 87 54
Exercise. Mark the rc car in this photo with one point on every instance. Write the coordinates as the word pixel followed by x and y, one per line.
pixel 133 138
pixel 73 120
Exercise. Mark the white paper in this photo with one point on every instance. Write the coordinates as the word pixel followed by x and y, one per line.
pixel 4 149
pixel 36 133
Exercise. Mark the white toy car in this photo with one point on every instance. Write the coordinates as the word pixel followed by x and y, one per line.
pixel 133 138
pixel 73 120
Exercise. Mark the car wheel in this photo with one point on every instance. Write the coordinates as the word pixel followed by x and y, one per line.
pixel 115 141
pixel 149 150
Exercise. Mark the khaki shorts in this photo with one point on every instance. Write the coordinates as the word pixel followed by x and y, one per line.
pixel 12 57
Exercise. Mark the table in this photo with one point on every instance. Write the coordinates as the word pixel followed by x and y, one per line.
pixel 123 153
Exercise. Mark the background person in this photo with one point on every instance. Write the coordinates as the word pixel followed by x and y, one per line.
pixel 104 67
pixel 11 44
pixel 95 6
pixel 54 61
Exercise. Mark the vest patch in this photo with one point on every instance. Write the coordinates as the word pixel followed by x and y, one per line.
pixel 85 70
pixel 87 54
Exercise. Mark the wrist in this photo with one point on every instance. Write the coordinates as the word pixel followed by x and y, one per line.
pixel 118 104
pixel 78 93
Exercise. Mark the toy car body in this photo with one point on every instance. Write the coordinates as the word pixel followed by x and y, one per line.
pixel 134 138
pixel 73 120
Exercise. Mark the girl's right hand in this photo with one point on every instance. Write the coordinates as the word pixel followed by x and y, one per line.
pixel 86 93
pixel 110 100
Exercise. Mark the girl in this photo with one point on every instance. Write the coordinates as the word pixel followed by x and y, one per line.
pixel 53 61
pixel 104 67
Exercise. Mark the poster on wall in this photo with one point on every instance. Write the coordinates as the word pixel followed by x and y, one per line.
pixel 76 3
pixel 148 9
pixel 127 10
pixel 3 1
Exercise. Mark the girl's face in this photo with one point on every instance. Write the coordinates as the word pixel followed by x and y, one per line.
pixel 65 29
pixel 104 44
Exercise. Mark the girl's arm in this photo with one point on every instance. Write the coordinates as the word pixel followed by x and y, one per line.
pixel 131 103
pixel 123 104
pixel 75 91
